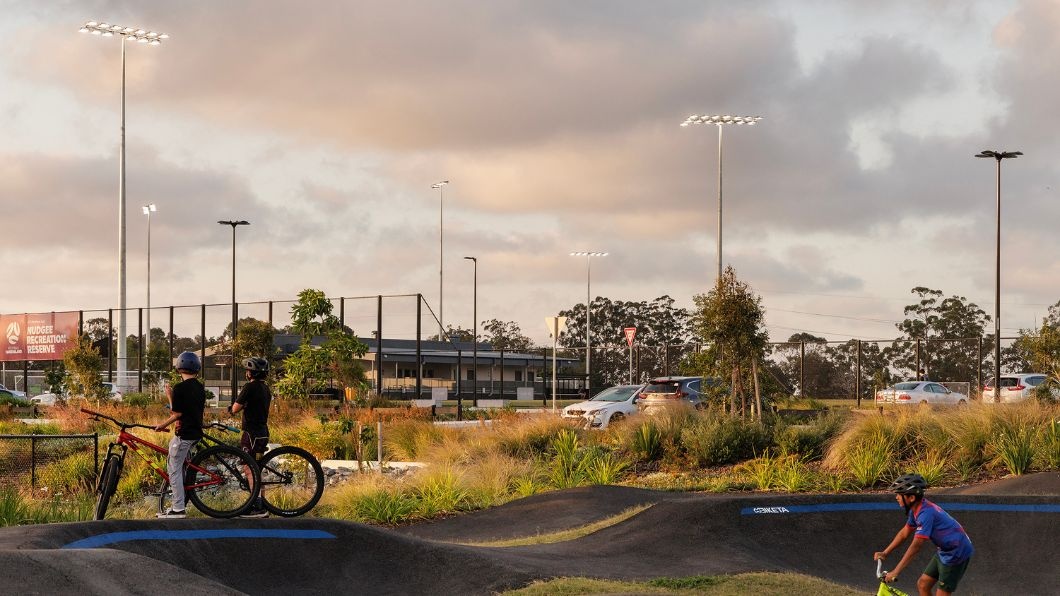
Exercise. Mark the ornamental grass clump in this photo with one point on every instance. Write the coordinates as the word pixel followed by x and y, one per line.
pixel 646 442
pixel 793 475
pixel 717 440
pixel 869 459
pixel 1049 446
pixel 931 465
pixel 1013 443
pixel 760 472
pixel 439 492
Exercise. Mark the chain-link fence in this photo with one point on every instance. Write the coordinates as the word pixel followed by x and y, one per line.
pixel 54 466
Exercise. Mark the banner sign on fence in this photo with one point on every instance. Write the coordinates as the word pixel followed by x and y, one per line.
pixel 42 336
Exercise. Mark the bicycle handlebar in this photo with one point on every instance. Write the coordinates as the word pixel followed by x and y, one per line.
pixel 880 573
pixel 118 423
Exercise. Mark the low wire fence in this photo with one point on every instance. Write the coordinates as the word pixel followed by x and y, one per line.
pixel 54 466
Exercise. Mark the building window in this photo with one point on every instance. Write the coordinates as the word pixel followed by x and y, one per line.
pixel 470 375
pixel 428 373
pixel 518 376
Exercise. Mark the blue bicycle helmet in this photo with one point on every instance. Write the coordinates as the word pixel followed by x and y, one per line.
pixel 189 361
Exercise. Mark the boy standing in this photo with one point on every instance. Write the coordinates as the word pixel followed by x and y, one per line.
pixel 187 401
pixel 254 401
pixel 927 521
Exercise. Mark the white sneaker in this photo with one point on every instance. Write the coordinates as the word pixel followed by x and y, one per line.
pixel 171 515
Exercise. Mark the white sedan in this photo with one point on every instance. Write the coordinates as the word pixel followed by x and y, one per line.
pixel 920 392
pixel 610 405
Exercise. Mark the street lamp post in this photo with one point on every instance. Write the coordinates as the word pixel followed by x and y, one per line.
pixel 150 38
pixel 235 310
pixel 441 254
pixel 998 156
pixel 588 310
pixel 474 340
pixel 148 210
pixel 720 121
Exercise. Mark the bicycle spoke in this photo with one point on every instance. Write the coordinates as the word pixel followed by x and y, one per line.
pixel 291 481
pixel 221 488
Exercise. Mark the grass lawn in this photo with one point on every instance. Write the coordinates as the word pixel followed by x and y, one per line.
pixel 778 584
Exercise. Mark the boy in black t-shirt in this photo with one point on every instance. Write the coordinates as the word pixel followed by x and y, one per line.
pixel 254 401
pixel 187 401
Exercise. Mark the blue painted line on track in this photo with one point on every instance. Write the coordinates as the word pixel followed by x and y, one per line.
pixel 115 537
pixel 832 507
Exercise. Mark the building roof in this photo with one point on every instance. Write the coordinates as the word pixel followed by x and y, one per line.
pixel 440 352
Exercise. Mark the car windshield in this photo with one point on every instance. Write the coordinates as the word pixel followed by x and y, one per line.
pixel 662 387
pixel 614 394
pixel 906 386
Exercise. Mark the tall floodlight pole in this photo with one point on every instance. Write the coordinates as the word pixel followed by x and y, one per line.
pixel 441 256
pixel 148 210
pixel 474 336
pixel 235 309
pixel 588 310
pixel 720 121
pixel 998 156
pixel 150 38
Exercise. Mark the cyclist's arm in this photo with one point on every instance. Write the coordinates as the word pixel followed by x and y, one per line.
pixel 172 418
pixel 899 538
pixel 910 554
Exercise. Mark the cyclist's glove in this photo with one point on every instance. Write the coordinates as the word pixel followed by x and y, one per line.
pixel 229 408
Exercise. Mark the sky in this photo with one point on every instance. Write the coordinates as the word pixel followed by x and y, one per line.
pixel 557 125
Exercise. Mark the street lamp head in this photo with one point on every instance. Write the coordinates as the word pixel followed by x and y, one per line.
pixel 720 119
pixel 588 253
pixel 999 155
pixel 234 223
pixel 153 38
pixel 472 259
pixel 440 184
pixel 149 209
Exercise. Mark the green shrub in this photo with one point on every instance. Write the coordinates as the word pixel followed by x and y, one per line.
pixel 869 459
pixel 139 400
pixel 73 474
pixel 605 468
pixel 760 471
pixel 715 441
pixel 1013 445
pixel 385 507
pixel 931 465
pixel 646 442
pixel 792 474
pixel 568 464
pixel 439 492
pixel 1049 445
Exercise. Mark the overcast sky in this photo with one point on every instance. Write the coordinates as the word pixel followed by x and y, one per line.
pixel 557 124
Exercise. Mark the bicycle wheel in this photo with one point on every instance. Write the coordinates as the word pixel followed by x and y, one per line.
pixel 291 481
pixel 108 483
pixel 217 482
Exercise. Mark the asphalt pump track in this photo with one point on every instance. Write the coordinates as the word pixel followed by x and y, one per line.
pixel 681 534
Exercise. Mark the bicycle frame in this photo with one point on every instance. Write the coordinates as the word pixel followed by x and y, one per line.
pixel 127 441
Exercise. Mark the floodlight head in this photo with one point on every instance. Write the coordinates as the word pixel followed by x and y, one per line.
pixel 440 184
pixel 999 155
pixel 588 253
pixel 719 119
pixel 149 209
pixel 130 33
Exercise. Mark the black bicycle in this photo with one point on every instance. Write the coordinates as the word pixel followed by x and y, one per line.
pixel 289 479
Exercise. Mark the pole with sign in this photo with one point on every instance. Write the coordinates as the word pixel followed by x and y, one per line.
pixel 556 325
pixel 630 332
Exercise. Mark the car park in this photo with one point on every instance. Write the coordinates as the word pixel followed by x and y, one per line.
pixel 920 392
pixel 1016 387
pixel 610 405
pixel 669 391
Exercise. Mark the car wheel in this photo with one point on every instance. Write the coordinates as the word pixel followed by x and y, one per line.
pixel 923 402
pixel 616 417
pixel 962 403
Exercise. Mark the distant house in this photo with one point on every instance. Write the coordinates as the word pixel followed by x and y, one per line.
pixel 393 368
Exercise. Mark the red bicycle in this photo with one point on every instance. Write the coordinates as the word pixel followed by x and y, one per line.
pixel 215 480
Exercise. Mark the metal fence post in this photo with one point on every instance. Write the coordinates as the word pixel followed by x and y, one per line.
pixel 979 365
pixel 802 368
pixel 33 463
pixel 917 371
pixel 419 346
pixel 857 379
pixel 172 334
pixel 379 345
pixel 110 345
pixel 140 349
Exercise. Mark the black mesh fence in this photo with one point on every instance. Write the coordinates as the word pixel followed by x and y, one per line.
pixel 49 466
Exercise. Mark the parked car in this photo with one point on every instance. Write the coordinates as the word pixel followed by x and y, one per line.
pixel 8 397
pixel 12 391
pixel 610 405
pixel 667 391
pixel 1016 388
pixel 49 399
pixel 920 392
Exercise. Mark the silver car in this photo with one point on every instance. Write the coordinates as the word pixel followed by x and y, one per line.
pixel 1015 388
pixel 920 392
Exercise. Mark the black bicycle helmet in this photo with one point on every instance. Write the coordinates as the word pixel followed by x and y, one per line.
pixel 909 484
pixel 257 367
pixel 189 361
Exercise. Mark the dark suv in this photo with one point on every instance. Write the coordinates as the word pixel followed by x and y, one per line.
pixel 664 391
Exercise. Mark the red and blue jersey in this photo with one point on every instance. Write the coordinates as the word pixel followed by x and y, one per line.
pixel 932 523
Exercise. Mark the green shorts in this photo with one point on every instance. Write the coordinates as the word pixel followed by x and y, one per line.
pixel 947 575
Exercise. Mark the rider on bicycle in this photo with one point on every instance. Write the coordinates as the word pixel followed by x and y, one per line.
pixel 254 400
pixel 927 521
pixel 187 401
